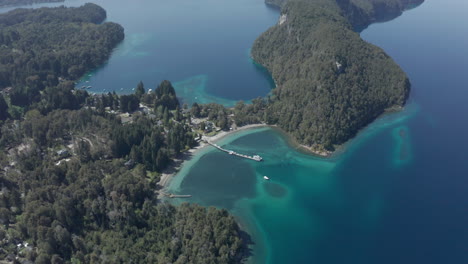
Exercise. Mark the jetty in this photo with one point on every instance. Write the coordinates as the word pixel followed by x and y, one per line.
pixel 171 195
pixel 231 152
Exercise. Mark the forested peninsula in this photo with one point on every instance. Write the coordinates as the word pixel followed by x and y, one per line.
pixel 40 47
pixel 25 2
pixel 79 172
pixel 330 82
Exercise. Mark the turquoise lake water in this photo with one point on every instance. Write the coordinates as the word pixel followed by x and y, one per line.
pixel 397 194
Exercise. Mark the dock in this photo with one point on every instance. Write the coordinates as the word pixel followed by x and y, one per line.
pixel 231 152
pixel 171 195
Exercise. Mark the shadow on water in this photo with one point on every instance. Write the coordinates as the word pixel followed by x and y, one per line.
pixel 247 245
pixel 273 7
pixel 275 190
pixel 265 73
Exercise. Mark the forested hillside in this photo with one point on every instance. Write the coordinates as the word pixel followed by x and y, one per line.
pixel 39 47
pixel 330 82
pixel 25 2
pixel 80 186
pixel 362 13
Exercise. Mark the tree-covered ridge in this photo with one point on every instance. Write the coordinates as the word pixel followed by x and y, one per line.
pixel 25 2
pixel 362 13
pixel 38 47
pixel 330 82
pixel 88 13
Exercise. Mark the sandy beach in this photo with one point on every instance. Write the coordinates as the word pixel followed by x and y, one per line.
pixel 168 173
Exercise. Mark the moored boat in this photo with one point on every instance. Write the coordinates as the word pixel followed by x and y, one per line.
pixel 257 158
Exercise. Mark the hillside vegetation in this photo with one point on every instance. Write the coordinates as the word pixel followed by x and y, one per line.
pixel 39 47
pixel 25 2
pixel 330 82
pixel 362 13
pixel 80 185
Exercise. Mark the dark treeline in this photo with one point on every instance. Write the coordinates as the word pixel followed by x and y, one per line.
pixel 25 2
pixel 41 47
pixel 330 82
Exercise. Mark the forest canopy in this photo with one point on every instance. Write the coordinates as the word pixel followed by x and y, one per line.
pixel 80 186
pixel 330 82
pixel 41 47
pixel 25 2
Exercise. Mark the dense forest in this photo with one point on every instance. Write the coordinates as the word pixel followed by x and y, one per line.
pixel 79 172
pixel 25 2
pixel 41 47
pixel 362 13
pixel 80 186
pixel 330 82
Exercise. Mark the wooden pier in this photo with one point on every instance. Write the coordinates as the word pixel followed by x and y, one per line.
pixel 171 195
pixel 230 152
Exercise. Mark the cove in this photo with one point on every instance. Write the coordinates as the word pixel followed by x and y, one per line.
pixel 202 47
pixel 396 194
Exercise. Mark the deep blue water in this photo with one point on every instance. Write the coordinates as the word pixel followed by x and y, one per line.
pixel 398 194
pixel 427 216
pixel 202 46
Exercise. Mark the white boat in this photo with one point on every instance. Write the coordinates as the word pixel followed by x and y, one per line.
pixel 266 177
pixel 257 158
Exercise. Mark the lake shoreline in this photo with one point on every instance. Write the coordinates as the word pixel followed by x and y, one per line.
pixel 168 174
pixel 176 165
pixel 340 148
